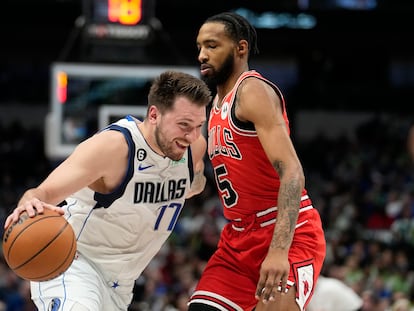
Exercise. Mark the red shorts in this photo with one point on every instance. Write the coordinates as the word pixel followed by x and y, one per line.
pixel 230 277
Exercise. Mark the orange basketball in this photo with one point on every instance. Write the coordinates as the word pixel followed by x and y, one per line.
pixel 39 248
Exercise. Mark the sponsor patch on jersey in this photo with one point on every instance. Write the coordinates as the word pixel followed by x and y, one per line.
pixel 182 160
pixel 224 110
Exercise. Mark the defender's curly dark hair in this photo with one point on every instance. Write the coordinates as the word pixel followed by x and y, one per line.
pixel 238 28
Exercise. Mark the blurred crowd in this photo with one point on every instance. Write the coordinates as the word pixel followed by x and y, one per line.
pixel 363 187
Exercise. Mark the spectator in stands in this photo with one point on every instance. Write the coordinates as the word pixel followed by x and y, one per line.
pixel 334 295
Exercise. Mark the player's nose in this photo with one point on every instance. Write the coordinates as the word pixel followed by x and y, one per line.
pixel 192 135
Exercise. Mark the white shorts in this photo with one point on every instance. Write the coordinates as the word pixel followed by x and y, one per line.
pixel 81 287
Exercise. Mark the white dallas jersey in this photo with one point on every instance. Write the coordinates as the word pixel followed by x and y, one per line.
pixel 119 233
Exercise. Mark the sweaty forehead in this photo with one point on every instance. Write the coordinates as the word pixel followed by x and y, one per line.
pixel 212 31
pixel 185 109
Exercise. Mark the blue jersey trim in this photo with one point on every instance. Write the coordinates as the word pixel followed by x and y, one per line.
pixel 105 200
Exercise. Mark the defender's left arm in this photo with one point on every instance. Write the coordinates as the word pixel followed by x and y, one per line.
pixel 273 134
pixel 198 150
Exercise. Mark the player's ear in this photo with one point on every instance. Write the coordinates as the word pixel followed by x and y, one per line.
pixel 243 47
pixel 153 113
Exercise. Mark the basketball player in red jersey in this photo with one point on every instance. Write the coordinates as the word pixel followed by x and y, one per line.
pixel 271 252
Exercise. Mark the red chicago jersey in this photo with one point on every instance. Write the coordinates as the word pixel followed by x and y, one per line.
pixel 246 180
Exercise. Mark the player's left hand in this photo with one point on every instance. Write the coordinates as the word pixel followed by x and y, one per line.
pixel 274 273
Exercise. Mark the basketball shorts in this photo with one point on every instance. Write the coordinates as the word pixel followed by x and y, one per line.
pixel 81 287
pixel 230 277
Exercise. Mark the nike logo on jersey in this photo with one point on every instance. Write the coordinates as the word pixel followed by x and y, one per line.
pixel 144 167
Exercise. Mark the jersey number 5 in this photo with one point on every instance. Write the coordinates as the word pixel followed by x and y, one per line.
pixel 227 192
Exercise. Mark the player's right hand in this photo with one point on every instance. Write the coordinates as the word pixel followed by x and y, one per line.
pixel 32 207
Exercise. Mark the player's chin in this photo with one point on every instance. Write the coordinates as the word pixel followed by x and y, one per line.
pixel 177 156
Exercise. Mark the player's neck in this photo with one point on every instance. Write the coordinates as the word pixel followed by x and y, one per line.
pixel 148 133
pixel 226 87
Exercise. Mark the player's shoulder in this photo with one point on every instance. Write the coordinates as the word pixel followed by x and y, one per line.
pixel 128 122
pixel 251 87
pixel 253 78
pixel 111 137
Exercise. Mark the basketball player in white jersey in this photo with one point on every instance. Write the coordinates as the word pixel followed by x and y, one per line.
pixel 122 191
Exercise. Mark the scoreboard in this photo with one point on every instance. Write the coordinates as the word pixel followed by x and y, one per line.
pixel 123 12
pixel 119 19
